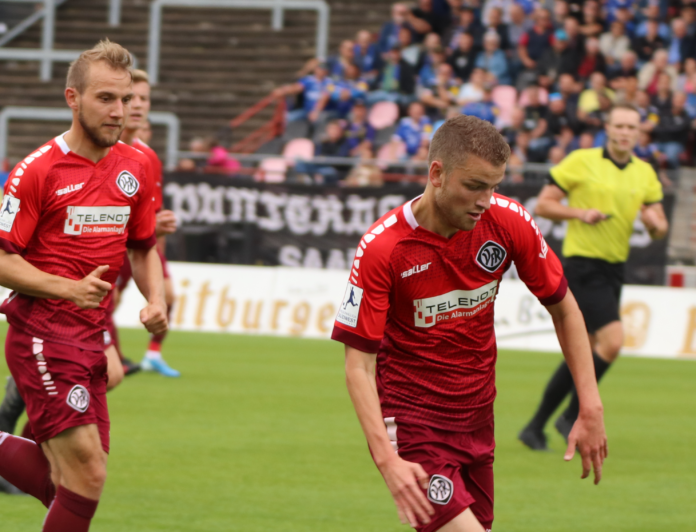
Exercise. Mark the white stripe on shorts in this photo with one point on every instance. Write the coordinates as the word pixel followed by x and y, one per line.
pixel 390 422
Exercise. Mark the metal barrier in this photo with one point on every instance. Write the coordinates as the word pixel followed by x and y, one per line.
pixel 169 120
pixel 277 6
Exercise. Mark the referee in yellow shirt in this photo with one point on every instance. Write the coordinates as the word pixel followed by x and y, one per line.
pixel 606 189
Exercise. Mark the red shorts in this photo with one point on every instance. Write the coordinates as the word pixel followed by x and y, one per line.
pixel 63 386
pixel 460 465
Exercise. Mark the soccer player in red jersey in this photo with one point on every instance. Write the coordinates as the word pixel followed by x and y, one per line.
pixel 420 297
pixel 70 210
pixel 166 224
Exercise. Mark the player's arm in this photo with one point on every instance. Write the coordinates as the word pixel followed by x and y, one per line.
pixel 549 206
pixel 19 275
pixel 404 479
pixel 655 221
pixel 148 276
pixel 588 434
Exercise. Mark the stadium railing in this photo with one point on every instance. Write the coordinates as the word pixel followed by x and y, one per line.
pixel 277 7
pixel 270 130
pixel 169 120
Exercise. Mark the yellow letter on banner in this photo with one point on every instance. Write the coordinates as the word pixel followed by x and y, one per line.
pixel 689 348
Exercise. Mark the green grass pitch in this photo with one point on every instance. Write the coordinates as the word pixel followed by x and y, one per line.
pixel 259 435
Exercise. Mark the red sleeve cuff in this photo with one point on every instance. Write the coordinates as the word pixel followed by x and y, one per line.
pixel 355 340
pixel 10 247
pixel 558 295
pixel 147 243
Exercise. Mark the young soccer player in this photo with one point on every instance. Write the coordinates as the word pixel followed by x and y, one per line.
pixel 70 210
pixel 417 324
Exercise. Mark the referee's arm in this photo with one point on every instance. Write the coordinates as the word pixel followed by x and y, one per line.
pixel 655 221
pixel 549 206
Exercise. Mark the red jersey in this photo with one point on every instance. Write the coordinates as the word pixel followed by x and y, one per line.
pixel 424 304
pixel 67 215
pixel 156 169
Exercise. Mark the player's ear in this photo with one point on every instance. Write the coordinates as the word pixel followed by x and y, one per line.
pixel 436 174
pixel 72 97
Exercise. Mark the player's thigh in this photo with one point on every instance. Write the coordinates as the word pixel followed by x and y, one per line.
pixel 609 340
pixel 114 367
pixel 464 522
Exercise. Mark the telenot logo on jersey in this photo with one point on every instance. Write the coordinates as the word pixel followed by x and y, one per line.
pixel 8 212
pixel 491 256
pixel 350 307
pixel 127 183
pixel 96 220
pixel 452 305
pixel 78 398
pixel 440 489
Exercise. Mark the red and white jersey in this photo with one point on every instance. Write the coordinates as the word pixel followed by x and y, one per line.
pixel 156 169
pixel 66 216
pixel 424 304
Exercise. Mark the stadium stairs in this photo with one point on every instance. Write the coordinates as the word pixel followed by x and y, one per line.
pixel 215 63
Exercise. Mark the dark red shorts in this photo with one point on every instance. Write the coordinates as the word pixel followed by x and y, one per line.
pixel 63 386
pixel 460 465
pixel 125 274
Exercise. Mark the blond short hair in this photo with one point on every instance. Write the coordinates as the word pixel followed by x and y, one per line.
pixel 113 54
pixel 140 76
pixel 461 136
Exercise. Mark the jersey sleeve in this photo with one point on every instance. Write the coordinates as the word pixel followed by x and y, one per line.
pixel 141 226
pixel 567 173
pixel 21 207
pixel 362 316
pixel 653 190
pixel 537 265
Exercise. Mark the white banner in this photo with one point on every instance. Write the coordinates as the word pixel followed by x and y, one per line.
pixel 658 321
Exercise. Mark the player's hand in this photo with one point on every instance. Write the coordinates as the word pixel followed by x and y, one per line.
pixel 165 223
pixel 405 481
pixel 589 438
pixel 154 317
pixel 593 216
pixel 90 291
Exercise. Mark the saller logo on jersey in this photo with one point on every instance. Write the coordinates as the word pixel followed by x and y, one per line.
pixel 96 220
pixel 350 307
pixel 491 256
pixel 8 211
pixel 452 305
pixel 127 183
pixel 78 398
pixel 440 489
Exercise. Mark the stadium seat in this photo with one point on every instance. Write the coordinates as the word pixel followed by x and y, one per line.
pixel 272 170
pixel 505 97
pixel 298 149
pixel 299 129
pixel 391 152
pixel 384 136
pixel 383 114
pixel 543 97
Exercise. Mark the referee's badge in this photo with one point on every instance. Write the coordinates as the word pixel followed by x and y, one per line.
pixel 491 256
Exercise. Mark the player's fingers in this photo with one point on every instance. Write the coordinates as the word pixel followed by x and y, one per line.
pixel 416 503
pixel 597 462
pixel 586 464
pixel 402 515
pixel 422 476
pixel 570 451
pixel 405 508
pixel 423 505
pixel 100 270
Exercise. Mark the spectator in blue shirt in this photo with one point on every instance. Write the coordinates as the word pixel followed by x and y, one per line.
pixel 493 60
pixel 467 24
pixel 389 35
pixel 414 130
pixel 345 57
pixel 359 131
pixel 485 109
pixel 366 56
pixel 443 92
pixel 682 45
pixel 342 94
pixel 312 88
pixel 653 13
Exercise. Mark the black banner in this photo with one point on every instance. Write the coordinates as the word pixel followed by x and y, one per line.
pixel 238 221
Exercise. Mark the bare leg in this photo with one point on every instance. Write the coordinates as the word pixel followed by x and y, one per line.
pixel 464 522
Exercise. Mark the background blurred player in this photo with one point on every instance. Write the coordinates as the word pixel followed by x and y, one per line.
pixel 421 296
pixel 606 189
pixel 166 222
pixel 89 198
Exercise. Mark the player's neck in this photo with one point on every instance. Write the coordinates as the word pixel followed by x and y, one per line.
pixel 428 216
pixel 80 144
pixel 621 157
pixel 129 135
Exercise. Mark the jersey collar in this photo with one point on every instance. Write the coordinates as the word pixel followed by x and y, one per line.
pixel 408 213
pixel 620 166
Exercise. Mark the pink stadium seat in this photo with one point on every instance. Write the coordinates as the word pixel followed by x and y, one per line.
pixel 272 170
pixel 543 97
pixel 298 149
pixel 393 151
pixel 383 114
pixel 505 97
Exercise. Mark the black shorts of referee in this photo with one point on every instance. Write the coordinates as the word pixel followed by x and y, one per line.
pixel 596 285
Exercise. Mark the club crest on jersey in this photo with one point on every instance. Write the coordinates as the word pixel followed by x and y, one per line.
pixel 8 212
pixel 440 489
pixel 78 398
pixel 491 256
pixel 127 183
pixel 456 304
pixel 350 307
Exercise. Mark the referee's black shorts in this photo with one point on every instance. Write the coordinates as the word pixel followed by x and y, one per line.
pixel 596 285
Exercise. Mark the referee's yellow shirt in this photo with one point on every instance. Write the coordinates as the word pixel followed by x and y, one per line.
pixel 592 180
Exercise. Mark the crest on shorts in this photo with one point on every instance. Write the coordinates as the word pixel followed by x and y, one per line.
pixel 491 256
pixel 440 489
pixel 78 398
pixel 127 183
